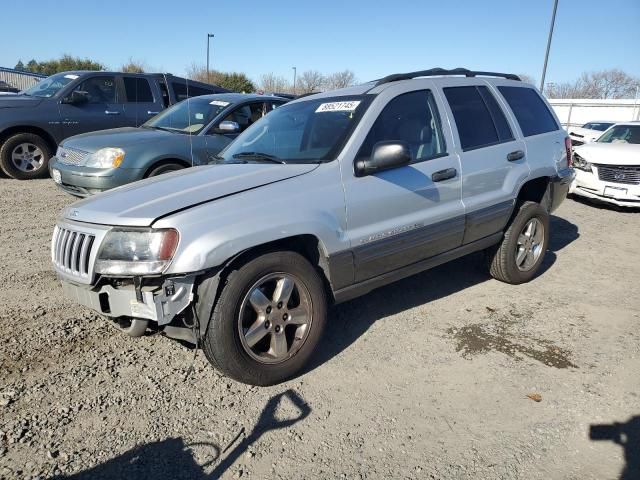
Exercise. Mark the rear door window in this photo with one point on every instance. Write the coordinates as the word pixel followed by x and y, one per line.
pixel 479 118
pixel 137 90
pixel 532 113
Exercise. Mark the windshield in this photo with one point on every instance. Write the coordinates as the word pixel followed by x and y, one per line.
pixel 600 126
pixel 310 131
pixel 50 86
pixel 621 134
pixel 189 116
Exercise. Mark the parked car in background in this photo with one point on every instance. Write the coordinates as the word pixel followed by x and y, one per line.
pixel 326 198
pixel 34 122
pixel 588 133
pixel 608 169
pixel 6 88
pixel 189 133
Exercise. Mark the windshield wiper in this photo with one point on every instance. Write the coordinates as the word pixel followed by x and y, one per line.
pixel 259 156
pixel 165 129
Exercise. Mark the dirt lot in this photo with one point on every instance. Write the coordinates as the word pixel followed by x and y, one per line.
pixel 427 378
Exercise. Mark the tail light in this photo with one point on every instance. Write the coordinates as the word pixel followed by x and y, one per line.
pixel 569 148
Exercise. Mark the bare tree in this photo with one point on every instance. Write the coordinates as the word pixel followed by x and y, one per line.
pixel 603 84
pixel 134 66
pixel 272 83
pixel 309 81
pixel 527 78
pixel 336 80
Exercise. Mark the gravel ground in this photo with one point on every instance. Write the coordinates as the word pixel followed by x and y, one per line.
pixel 426 378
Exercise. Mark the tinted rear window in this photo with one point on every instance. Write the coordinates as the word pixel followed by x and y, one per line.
pixel 530 110
pixel 137 90
pixel 180 91
pixel 479 119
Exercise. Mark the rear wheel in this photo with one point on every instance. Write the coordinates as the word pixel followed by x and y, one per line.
pixel 518 257
pixel 164 168
pixel 268 319
pixel 25 156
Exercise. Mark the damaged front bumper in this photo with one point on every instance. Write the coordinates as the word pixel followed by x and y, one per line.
pixel 157 300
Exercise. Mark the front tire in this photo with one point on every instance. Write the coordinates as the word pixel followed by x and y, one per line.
pixel 268 319
pixel 164 168
pixel 518 257
pixel 25 156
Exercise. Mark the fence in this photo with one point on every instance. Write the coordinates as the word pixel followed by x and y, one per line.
pixel 577 112
pixel 19 79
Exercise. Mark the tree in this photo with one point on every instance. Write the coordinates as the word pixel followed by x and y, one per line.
pixel 272 83
pixel 336 80
pixel 20 66
pixel 310 81
pixel 602 84
pixel 133 66
pixel 234 81
pixel 63 64
pixel 527 78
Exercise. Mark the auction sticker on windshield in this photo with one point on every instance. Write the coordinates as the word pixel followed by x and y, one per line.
pixel 338 106
pixel 219 103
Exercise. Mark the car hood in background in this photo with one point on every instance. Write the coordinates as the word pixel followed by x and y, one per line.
pixel 17 101
pixel 141 203
pixel 117 137
pixel 610 153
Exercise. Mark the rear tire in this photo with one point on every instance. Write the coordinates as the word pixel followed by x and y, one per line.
pixel 517 258
pixel 164 168
pixel 25 156
pixel 268 351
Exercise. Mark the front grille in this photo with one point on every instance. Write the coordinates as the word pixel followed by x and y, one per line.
pixel 619 174
pixel 71 251
pixel 71 156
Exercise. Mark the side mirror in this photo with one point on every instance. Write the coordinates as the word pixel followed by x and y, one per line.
pixel 76 98
pixel 385 156
pixel 227 126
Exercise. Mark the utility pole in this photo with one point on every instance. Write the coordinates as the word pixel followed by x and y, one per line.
pixel 546 56
pixel 209 36
pixel 295 70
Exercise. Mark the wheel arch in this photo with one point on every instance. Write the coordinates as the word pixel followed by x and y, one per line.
pixel 158 162
pixel 41 132
pixel 534 190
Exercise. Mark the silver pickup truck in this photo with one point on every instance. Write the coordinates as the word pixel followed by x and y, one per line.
pixel 326 198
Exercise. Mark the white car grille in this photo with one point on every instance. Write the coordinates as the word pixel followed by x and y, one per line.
pixel 619 174
pixel 74 249
pixel 71 156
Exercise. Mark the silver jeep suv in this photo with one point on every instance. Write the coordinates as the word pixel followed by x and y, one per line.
pixel 324 199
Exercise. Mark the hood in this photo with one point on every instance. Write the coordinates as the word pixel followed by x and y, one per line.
pixel 610 153
pixel 116 137
pixel 141 203
pixel 585 134
pixel 17 101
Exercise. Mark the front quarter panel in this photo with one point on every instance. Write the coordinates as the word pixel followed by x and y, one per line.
pixel 214 232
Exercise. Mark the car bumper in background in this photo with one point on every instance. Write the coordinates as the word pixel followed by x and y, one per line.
pixel 85 181
pixel 587 184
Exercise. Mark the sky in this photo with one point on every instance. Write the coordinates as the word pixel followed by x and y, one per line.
pixel 372 38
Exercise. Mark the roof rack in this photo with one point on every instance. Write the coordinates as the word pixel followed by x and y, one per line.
pixel 443 71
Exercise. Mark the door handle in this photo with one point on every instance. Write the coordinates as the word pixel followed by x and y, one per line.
pixel 149 112
pixel 513 156
pixel 445 174
pixel 111 112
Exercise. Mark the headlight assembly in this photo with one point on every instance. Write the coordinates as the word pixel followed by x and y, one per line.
pixel 580 163
pixel 105 158
pixel 136 251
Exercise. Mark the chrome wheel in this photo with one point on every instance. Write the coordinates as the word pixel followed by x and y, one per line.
pixel 275 318
pixel 530 244
pixel 27 157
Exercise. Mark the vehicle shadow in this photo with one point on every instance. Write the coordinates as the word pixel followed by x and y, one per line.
pixel 350 320
pixel 173 458
pixel 627 435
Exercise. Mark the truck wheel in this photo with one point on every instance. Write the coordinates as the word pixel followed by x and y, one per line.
pixel 268 319
pixel 518 257
pixel 25 156
pixel 164 168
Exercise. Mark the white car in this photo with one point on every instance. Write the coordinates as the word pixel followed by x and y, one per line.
pixel 587 133
pixel 609 168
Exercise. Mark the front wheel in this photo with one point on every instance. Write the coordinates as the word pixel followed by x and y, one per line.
pixel 268 319
pixel 518 257
pixel 25 156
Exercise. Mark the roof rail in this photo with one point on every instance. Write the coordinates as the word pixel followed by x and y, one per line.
pixel 443 71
